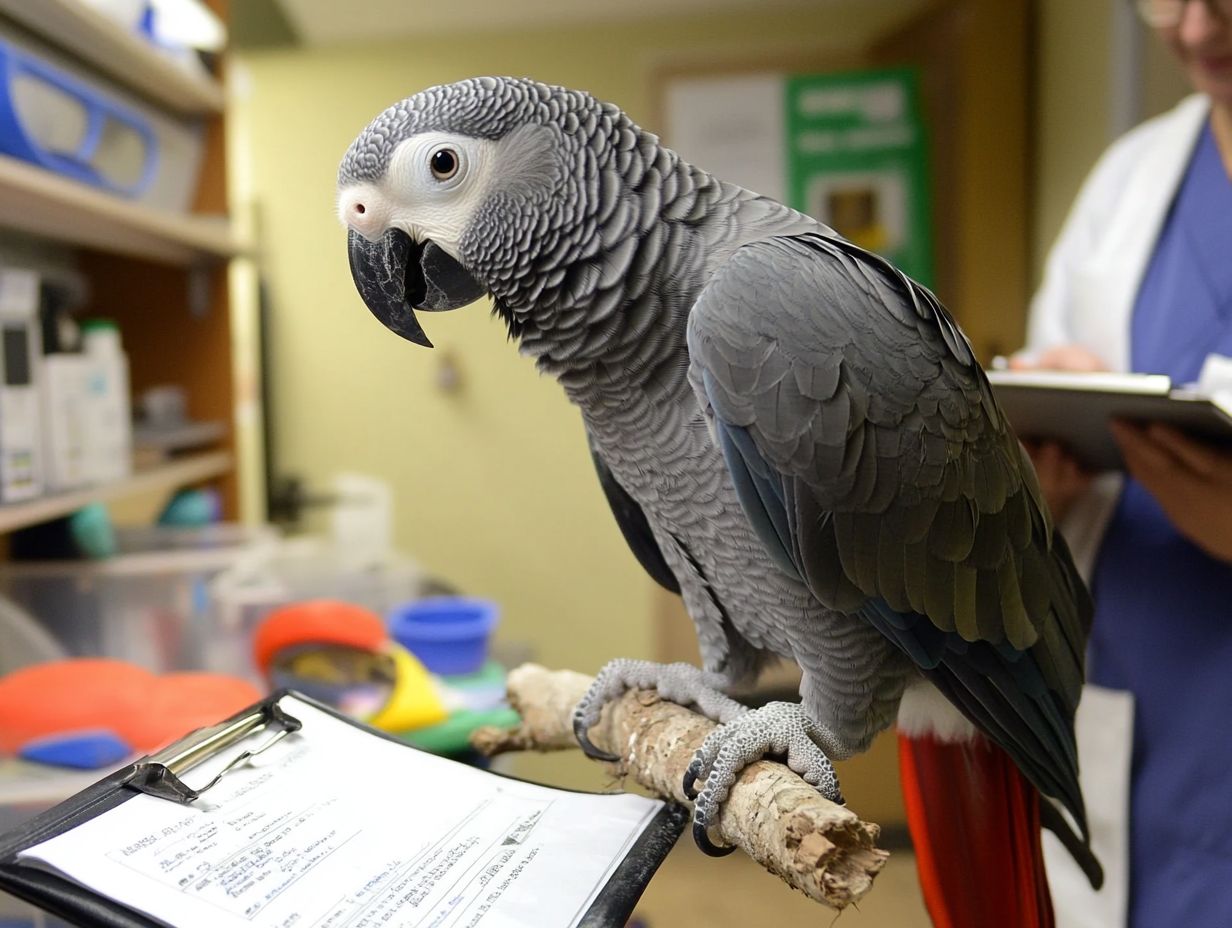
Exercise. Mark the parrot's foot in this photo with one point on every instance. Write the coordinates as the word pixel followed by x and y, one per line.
pixel 779 728
pixel 681 683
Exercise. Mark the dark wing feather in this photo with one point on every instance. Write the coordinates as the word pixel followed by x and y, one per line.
pixel 877 467
pixel 633 525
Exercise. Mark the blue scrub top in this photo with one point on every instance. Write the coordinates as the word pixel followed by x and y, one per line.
pixel 1163 608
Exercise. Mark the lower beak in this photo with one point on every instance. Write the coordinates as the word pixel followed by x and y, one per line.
pixel 395 276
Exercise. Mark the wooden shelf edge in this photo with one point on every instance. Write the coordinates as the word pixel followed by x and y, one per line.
pixel 122 56
pixel 40 202
pixel 167 476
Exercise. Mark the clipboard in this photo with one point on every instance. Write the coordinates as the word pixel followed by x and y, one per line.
pixel 160 776
pixel 1074 409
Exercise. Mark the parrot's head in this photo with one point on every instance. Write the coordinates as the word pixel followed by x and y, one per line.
pixel 486 186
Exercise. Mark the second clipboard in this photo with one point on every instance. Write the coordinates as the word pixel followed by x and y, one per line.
pixel 1075 409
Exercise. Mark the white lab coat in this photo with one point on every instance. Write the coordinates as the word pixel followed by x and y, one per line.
pixel 1090 284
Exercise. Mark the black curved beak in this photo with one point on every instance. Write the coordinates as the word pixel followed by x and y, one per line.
pixel 395 276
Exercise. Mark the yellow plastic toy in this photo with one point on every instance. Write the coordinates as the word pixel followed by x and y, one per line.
pixel 341 654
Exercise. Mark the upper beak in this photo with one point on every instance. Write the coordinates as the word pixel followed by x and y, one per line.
pixel 395 276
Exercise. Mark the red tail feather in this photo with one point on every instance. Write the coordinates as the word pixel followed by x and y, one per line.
pixel 975 824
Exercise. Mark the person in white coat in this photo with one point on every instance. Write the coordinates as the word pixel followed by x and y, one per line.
pixel 1140 279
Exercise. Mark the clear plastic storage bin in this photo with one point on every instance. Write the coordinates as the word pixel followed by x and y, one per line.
pixel 61 116
pixel 149 604
pixel 310 568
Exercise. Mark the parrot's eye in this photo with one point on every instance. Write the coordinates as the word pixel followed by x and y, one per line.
pixel 444 163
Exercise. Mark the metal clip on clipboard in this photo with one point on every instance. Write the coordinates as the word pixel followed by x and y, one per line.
pixel 159 774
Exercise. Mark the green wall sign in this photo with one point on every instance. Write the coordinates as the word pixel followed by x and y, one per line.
pixel 857 160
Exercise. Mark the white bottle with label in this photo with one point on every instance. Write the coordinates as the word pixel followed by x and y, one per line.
pixel 66 412
pixel 109 427
pixel 20 360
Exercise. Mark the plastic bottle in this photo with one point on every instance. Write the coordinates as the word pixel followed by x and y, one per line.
pixel 109 428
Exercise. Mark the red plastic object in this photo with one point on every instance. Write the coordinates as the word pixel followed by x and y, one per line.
pixel 71 695
pixel 319 621
pixel 182 702
pixel 82 694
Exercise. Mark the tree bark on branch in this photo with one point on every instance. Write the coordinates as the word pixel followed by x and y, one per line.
pixel 822 849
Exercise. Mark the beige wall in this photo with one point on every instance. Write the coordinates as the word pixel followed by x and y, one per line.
pixel 1164 81
pixel 1074 99
pixel 1073 67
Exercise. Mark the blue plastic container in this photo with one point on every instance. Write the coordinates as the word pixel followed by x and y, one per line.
pixel 103 116
pixel 449 634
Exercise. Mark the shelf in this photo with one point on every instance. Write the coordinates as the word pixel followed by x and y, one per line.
pixel 36 787
pixel 42 203
pixel 125 57
pixel 163 477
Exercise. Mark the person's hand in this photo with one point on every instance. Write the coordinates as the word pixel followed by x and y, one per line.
pixel 1059 358
pixel 1191 481
pixel 1062 480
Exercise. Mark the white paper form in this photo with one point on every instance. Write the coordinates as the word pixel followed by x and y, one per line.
pixel 335 828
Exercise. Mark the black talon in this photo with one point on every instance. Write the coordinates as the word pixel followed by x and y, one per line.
pixel 702 839
pixel 690 778
pixel 588 746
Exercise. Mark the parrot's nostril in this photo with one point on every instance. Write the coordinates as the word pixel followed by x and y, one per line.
pixel 361 213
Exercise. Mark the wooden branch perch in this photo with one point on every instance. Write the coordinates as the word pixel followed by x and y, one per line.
pixel 822 849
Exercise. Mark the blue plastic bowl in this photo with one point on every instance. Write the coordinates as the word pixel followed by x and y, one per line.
pixel 449 634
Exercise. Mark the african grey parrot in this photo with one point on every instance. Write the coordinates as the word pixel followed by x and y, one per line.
pixel 793 435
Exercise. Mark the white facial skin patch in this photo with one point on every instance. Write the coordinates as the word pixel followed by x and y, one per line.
pixel 426 203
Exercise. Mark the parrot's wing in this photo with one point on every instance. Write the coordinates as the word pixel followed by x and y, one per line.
pixel 870 456
pixel 633 524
